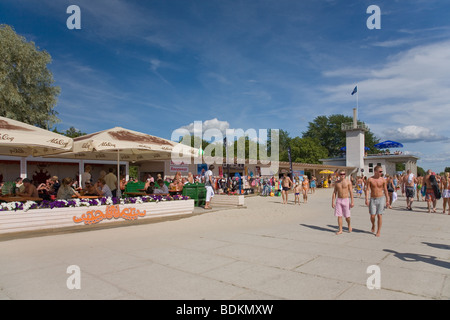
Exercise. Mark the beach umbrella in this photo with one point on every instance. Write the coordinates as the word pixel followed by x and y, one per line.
pixel 125 145
pixel 23 140
pixel 388 144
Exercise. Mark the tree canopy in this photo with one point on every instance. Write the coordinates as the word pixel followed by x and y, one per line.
pixel 304 150
pixel 327 130
pixel 72 132
pixel 27 92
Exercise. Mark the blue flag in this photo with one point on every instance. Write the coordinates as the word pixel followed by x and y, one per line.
pixel 355 90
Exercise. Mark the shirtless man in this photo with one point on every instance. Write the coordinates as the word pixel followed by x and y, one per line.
pixel 408 182
pixel 286 185
pixel 430 197
pixel 376 186
pixel 30 189
pixel 343 189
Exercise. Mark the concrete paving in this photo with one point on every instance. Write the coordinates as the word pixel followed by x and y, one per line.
pixel 264 251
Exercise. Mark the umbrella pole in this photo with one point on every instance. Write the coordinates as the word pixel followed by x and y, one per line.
pixel 118 195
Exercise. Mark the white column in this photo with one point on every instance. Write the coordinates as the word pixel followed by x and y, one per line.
pixel 23 167
pixel 80 171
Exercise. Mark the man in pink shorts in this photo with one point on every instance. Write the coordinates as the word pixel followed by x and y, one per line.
pixel 341 204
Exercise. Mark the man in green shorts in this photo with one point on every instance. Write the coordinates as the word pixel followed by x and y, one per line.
pixel 376 186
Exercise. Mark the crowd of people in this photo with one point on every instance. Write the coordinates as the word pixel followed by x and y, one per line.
pixel 381 191
pixel 299 185
pixel 430 188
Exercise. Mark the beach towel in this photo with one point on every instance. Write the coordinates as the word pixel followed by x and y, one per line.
pixel 394 197
pixel 436 190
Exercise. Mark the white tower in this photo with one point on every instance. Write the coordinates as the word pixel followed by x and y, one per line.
pixel 355 142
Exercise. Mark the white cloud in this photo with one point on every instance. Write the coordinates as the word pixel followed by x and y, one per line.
pixel 411 87
pixel 414 134
pixel 222 126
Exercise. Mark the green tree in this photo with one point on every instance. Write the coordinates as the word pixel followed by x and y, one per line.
pixel 304 150
pixel 71 132
pixel 307 150
pixel 421 171
pixel 327 130
pixel 27 92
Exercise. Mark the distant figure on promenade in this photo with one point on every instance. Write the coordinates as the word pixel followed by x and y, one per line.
pixel 286 185
pixel 341 204
pixel 376 187
pixel 305 185
pixel 209 182
pixel 408 182
pixel 359 186
pixel 446 191
pixel 431 185
pixel 297 189
pixel 313 184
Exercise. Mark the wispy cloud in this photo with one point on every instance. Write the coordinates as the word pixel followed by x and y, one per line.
pixel 411 88
pixel 414 134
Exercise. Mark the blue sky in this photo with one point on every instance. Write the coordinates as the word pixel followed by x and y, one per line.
pixel 155 66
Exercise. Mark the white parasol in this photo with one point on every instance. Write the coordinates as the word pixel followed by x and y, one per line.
pixel 22 140
pixel 126 145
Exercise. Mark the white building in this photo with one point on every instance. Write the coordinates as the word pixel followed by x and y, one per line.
pixel 363 163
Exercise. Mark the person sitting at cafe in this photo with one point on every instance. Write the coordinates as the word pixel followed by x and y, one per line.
pixel 89 188
pixel 65 191
pixel 20 187
pixel 190 178
pixel 123 184
pixel 162 188
pixel 151 188
pixel 177 184
pixel 30 189
pixel 45 189
pixel 102 188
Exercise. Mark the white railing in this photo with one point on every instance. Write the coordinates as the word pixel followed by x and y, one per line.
pixel 350 126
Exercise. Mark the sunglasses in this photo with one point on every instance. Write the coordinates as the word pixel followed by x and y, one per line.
pixel 342 174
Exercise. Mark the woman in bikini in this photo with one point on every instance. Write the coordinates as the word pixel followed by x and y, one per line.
pixel 445 187
pixel 305 185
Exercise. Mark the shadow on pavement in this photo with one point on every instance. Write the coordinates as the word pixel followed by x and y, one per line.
pixel 438 245
pixel 415 257
pixel 334 229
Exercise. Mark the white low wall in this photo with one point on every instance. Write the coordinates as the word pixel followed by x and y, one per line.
pixel 42 219
pixel 227 200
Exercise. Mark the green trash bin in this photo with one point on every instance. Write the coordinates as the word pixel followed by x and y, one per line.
pixel 201 194
pixel 195 191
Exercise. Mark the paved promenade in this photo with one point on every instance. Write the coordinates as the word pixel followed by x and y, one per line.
pixel 264 251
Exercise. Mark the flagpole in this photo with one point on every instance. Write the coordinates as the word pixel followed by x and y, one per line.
pixel 357 103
